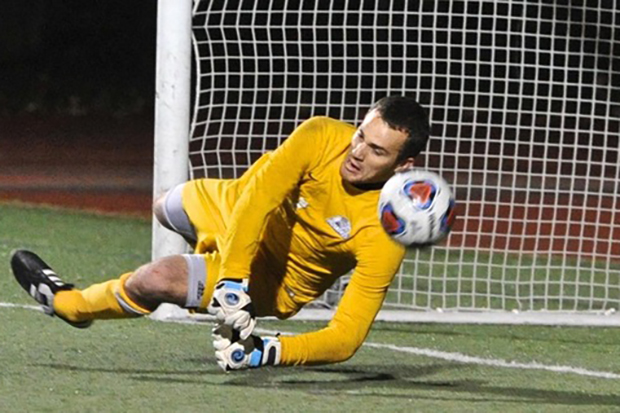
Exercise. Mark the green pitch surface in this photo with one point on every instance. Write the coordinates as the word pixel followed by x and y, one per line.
pixel 145 365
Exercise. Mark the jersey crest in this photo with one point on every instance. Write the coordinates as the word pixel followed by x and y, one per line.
pixel 341 225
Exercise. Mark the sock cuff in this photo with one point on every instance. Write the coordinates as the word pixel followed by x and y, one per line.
pixel 127 303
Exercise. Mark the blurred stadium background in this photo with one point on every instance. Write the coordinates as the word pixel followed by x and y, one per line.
pixel 76 103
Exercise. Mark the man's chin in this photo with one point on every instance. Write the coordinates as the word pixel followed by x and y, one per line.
pixel 353 180
pixel 348 177
pixel 364 185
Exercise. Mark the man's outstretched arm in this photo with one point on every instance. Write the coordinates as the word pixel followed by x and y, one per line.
pixel 266 190
pixel 344 334
pixel 378 260
pixel 347 330
pixel 336 343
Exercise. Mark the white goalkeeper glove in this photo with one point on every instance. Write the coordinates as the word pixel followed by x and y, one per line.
pixel 232 306
pixel 252 352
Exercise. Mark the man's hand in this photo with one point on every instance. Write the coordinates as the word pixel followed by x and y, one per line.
pixel 232 306
pixel 252 352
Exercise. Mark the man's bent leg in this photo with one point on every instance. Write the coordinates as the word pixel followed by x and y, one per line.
pixel 132 295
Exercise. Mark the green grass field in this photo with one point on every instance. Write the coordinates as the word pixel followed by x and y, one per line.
pixel 145 365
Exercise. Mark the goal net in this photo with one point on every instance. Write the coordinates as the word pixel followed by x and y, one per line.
pixel 524 101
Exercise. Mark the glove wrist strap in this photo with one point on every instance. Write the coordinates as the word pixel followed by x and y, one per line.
pixel 267 352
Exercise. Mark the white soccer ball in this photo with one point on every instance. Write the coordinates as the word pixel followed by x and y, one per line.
pixel 416 207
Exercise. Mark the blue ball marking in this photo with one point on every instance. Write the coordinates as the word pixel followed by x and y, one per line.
pixel 448 218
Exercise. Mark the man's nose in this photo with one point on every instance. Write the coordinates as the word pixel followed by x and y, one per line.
pixel 359 151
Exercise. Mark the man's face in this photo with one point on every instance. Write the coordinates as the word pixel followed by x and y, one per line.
pixel 374 152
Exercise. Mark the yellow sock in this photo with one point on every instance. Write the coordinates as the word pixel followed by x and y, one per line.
pixel 103 301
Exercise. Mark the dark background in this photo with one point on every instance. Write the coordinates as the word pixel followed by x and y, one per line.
pixel 75 57
pixel 77 86
pixel 77 89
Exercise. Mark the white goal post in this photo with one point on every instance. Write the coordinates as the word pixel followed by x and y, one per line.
pixel 524 100
pixel 172 111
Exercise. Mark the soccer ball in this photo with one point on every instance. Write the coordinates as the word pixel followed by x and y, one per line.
pixel 416 207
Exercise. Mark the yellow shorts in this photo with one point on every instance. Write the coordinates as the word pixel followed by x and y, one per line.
pixel 209 203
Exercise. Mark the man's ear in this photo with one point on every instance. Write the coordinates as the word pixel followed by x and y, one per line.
pixel 405 165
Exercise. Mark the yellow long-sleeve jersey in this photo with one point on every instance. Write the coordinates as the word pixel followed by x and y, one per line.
pixel 293 226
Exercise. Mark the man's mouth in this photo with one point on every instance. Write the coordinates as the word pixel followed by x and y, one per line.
pixel 351 166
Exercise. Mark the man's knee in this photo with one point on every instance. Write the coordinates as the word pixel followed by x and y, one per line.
pixel 161 281
pixel 169 211
pixel 159 211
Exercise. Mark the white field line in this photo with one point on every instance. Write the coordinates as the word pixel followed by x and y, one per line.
pixel 463 358
pixel 27 307
pixel 425 352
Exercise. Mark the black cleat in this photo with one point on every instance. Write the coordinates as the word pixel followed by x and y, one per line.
pixel 41 282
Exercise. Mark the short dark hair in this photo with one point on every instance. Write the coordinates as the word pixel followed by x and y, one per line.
pixel 404 113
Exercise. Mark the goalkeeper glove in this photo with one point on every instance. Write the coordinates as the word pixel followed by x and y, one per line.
pixel 232 306
pixel 252 352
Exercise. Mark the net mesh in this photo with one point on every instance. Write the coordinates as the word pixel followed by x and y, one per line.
pixel 524 101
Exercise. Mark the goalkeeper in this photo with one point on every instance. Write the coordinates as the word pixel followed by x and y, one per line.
pixel 268 243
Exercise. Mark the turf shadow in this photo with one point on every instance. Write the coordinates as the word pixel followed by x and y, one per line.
pixel 359 381
pixel 378 381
